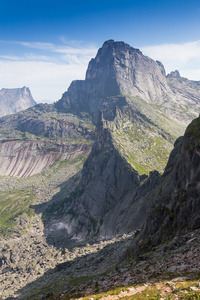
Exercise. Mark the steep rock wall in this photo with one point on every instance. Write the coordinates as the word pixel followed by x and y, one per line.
pixel 109 199
pixel 175 203
pixel 117 70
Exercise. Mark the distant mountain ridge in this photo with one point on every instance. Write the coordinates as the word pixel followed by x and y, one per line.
pixel 186 91
pixel 15 100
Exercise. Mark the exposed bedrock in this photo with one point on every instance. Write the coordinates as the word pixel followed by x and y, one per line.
pixel 175 203
pixel 26 158
pixel 109 199
pixel 14 100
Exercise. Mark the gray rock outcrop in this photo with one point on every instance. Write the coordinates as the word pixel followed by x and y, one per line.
pixel 117 70
pixel 187 92
pixel 110 198
pixel 26 158
pixel 32 140
pixel 175 205
pixel 14 100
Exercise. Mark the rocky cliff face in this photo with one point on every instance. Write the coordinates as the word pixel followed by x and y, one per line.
pixel 187 92
pixel 132 73
pixel 132 91
pixel 14 100
pixel 117 70
pixel 106 202
pixel 44 121
pixel 175 204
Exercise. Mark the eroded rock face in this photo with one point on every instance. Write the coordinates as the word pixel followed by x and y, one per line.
pixel 110 198
pixel 119 72
pixel 187 91
pixel 116 71
pixel 175 202
pixel 120 79
pixel 43 121
pixel 14 100
pixel 26 158
pixel 34 139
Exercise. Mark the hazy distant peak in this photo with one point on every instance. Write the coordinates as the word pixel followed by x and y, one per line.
pixel 15 99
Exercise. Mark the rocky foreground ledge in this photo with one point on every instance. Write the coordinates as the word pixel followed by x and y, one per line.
pixel 170 270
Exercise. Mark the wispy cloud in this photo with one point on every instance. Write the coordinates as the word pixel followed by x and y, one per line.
pixel 9 57
pixel 34 57
pixel 46 80
pixel 38 45
pixel 46 68
pixel 181 52
pixel 68 51
pixel 73 50
pixel 184 57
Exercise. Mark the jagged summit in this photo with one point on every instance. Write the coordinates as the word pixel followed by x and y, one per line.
pixel 186 91
pixel 110 54
pixel 117 70
pixel 126 71
pixel 14 100
pixel 174 74
pixel 120 73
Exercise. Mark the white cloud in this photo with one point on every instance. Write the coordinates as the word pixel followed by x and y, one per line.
pixel 183 57
pixel 48 71
pixel 181 52
pixel 46 80
pixel 37 45
pixel 69 52
pixel 74 50
pixel 33 57
pixel 9 57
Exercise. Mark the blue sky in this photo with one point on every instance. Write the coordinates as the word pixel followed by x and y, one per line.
pixel 47 44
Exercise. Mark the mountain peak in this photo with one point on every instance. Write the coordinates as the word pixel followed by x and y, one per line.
pixel 117 72
pixel 15 99
pixel 174 74
pixel 108 42
pixel 114 48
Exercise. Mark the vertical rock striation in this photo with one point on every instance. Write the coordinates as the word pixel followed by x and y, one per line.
pixel 14 100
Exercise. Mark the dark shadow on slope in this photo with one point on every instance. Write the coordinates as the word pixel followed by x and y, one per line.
pixel 63 278
pixel 106 199
pixel 53 209
pixel 66 188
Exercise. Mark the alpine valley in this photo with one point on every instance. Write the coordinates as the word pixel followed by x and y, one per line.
pixel 100 191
